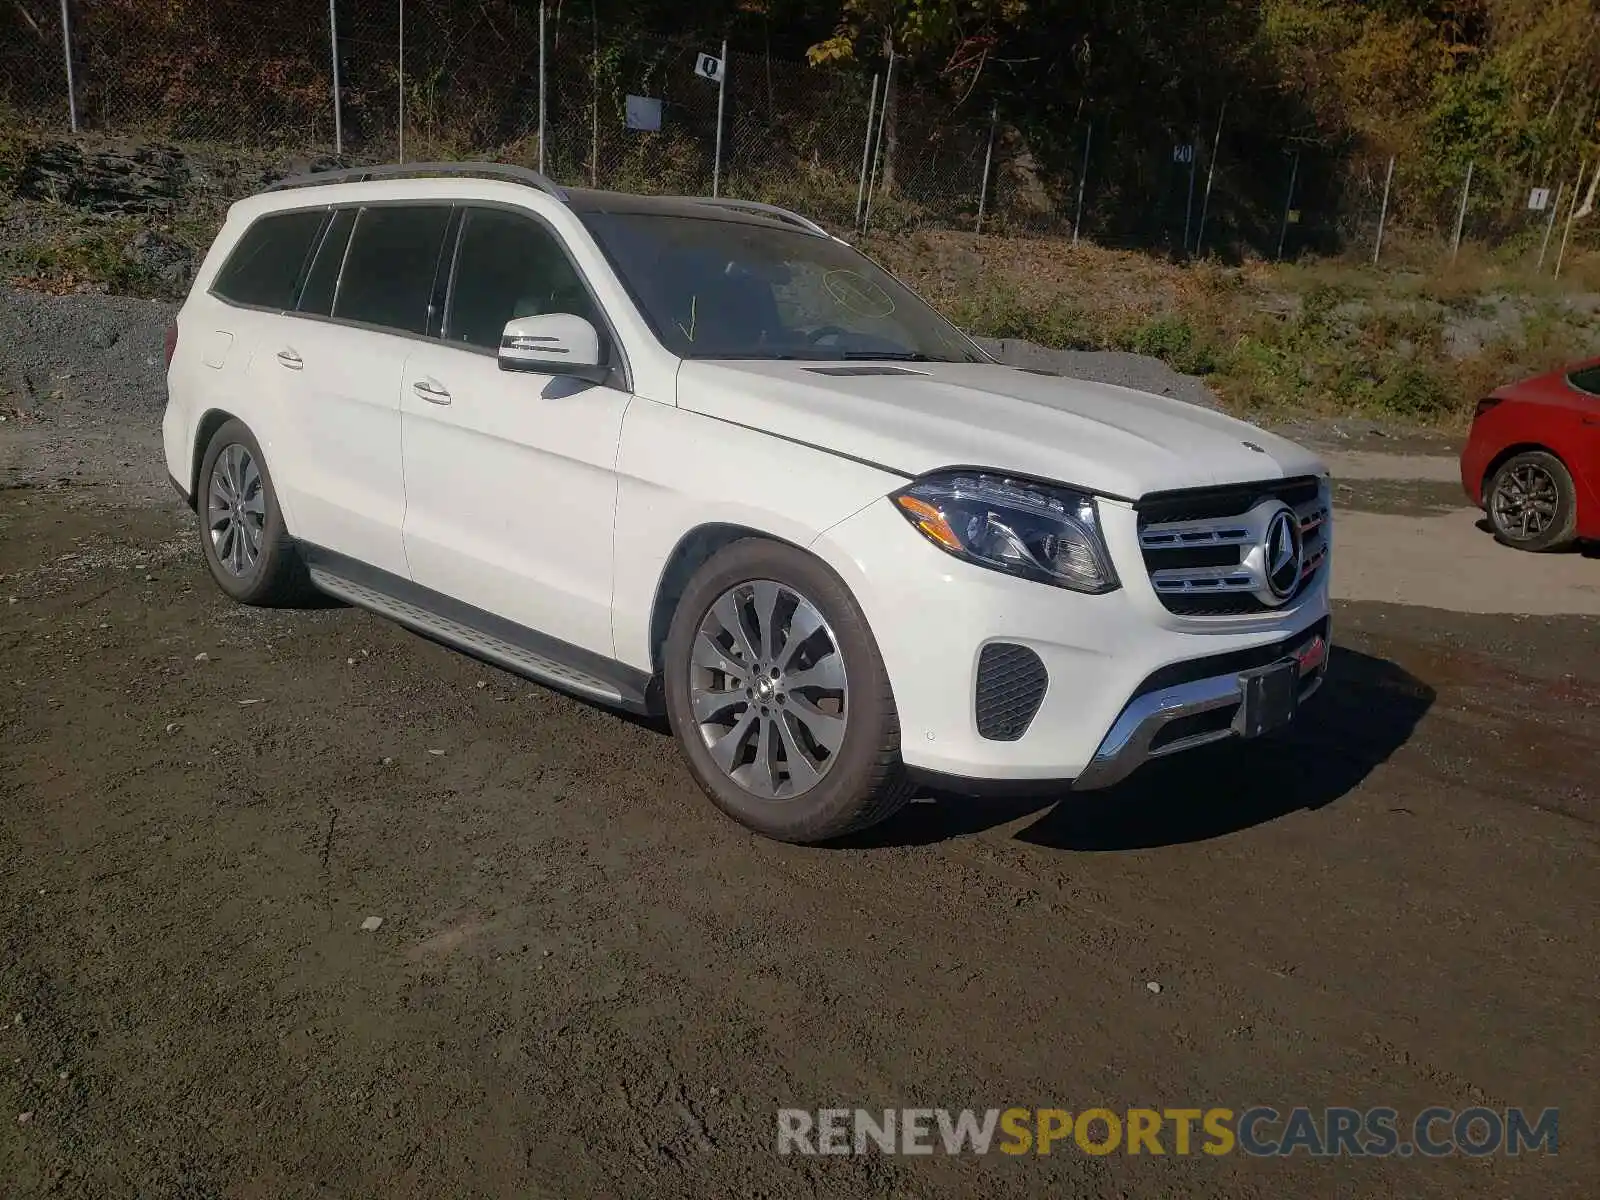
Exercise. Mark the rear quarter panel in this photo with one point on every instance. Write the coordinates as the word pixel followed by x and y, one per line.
pixel 208 367
pixel 1540 414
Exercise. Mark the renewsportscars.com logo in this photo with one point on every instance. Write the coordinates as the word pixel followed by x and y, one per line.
pixel 1260 1132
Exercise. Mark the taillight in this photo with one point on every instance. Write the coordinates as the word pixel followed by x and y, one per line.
pixel 172 341
pixel 1485 405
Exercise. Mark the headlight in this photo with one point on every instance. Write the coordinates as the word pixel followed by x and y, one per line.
pixel 1049 534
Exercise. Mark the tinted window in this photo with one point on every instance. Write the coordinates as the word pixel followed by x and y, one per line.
pixel 1586 380
pixel 509 266
pixel 265 266
pixel 317 294
pixel 714 288
pixel 389 270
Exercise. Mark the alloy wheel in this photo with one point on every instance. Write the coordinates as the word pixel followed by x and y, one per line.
pixel 769 689
pixel 1525 501
pixel 236 510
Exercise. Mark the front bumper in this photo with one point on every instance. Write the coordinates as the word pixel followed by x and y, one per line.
pixel 1172 719
pixel 1127 680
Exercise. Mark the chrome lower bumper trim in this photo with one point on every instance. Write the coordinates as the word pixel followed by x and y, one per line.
pixel 1128 745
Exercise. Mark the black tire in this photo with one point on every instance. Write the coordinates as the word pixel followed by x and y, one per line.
pixel 276 576
pixel 864 782
pixel 1510 479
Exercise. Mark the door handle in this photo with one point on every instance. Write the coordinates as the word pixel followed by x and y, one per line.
pixel 433 395
pixel 290 359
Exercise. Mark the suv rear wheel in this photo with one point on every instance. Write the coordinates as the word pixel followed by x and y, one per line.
pixel 1532 504
pixel 246 545
pixel 777 693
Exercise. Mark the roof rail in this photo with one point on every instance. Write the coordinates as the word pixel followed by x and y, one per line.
pixel 484 170
pixel 771 210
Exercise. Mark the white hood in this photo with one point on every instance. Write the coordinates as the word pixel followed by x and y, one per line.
pixel 1111 440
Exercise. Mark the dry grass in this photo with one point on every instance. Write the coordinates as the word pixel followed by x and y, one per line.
pixel 1317 337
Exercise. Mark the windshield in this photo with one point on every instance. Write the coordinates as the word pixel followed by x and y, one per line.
pixel 715 288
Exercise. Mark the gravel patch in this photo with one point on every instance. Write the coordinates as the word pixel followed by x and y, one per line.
pixel 105 352
pixel 82 386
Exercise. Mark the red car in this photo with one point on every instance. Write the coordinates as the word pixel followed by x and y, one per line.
pixel 1532 460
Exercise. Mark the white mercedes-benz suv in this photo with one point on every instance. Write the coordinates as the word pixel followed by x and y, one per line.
pixel 700 458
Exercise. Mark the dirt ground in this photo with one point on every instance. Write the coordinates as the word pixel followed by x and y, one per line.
pixel 588 983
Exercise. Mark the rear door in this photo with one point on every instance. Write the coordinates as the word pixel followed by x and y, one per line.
pixel 367 300
pixel 509 475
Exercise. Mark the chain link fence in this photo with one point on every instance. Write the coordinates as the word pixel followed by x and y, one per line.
pixel 602 106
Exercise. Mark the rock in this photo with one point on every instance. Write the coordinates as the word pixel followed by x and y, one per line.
pixel 372 925
pixel 387 761
pixel 1153 988
pixel 173 727
pixel 24 1118
pixel 202 657
pixel 109 182
pixel 169 260
pixel 436 753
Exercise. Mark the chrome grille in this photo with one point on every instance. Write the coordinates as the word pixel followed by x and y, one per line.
pixel 1207 552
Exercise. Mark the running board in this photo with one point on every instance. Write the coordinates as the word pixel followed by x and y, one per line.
pixel 422 615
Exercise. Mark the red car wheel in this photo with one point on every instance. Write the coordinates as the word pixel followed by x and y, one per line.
pixel 1532 504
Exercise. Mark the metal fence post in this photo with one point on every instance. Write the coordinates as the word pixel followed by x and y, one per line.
pixel 1461 214
pixel 1211 174
pixel 866 150
pixel 1083 173
pixel 722 90
pixel 877 150
pixel 1572 209
pixel 1550 225
pixel 1383 211
pixel 594 104
pixel 72 83
pixel 1288 205
pixel 401 72
pixel 333 46
pixel 1188 203
pixel 541 87
pixel 988 161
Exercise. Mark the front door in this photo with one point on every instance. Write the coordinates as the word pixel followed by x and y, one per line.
pixel 510 476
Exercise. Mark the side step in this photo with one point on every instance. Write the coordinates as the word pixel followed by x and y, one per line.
pixel 478 642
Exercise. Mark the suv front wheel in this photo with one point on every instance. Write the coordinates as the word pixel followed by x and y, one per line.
pixel 777 693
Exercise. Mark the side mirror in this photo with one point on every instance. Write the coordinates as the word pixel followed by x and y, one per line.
pixel 552 344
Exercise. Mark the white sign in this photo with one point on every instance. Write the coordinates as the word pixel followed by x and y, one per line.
pixel 710 66
pixel 1183 154
pixel 644 112
pixel 1539 199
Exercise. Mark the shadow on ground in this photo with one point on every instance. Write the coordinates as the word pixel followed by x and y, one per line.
pixel 1365 712
pixel 1587 549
